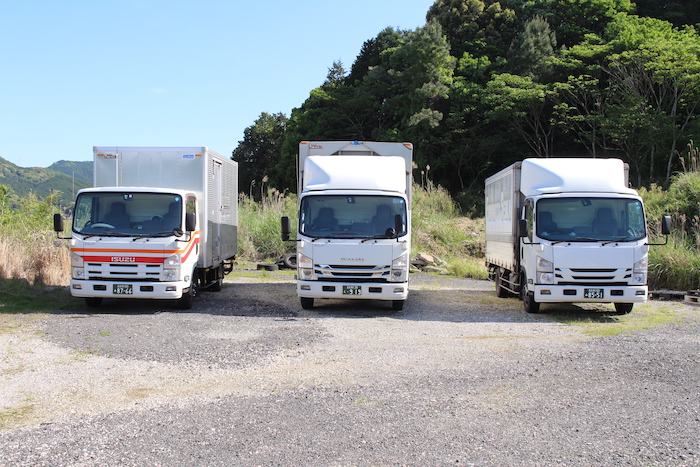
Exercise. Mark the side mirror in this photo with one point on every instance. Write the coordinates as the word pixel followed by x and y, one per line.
pixel 522 228
pixel 286 229
pixel 190 221
pixel 57 223
pixel 666 225
pixel 398 224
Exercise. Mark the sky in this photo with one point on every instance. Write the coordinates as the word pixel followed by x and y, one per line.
pixel 83 73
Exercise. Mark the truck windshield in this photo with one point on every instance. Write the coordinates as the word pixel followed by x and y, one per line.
pixel 120 213
pixel 365 216
pixel 585 219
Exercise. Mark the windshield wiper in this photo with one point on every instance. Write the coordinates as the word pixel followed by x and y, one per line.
pixel 376 237
pixel 621 239
pixel 578 239
pixel 333 235
pixel 175 232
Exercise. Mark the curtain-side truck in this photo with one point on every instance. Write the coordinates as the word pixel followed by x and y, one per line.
pixel 160 223
pixel 567 230
pixel 354 224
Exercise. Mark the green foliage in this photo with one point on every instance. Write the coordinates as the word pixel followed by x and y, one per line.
pixel 260 235
pixel 37 181
pixel 80 170
pixel 260 149
pixel 439 230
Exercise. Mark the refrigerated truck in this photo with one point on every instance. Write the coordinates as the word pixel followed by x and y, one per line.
pixel 565 230
pixel 354 221
pixel 160 223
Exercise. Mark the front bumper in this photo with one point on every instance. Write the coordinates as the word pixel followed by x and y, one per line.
pixel 349 290
pixel 590 294
pixel 104 289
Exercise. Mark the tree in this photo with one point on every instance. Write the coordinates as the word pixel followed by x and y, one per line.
pixel 574 19
pixel 532 49
pixel 655 71
pixel 527 106
pixel 678 12
pixel 478 27
pixel 259 150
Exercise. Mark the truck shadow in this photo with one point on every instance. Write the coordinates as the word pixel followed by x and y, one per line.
pixel 458 303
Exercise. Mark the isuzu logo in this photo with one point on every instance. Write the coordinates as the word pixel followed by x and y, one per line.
pixel 123 259
pixel 353 260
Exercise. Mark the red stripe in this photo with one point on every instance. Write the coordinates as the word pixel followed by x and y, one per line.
pixel 136 259
pixel 189 250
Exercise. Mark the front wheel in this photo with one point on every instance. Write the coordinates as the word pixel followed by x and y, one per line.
pixel 397 305
pixel 528 298
pixel 307 303
pixel 623 308
pixel 529 303
pixel 185 302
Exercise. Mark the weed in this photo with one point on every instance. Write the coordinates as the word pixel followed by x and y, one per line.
pixel 602 324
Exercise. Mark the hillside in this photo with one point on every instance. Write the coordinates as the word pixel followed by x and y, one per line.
pixel 81 170
pixel 41 181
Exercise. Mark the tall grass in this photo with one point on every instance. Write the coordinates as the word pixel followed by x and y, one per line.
pixel 259 234
pixel 27 251
pixel 439 230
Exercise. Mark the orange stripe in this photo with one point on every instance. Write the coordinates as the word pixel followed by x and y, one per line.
pixel 121 251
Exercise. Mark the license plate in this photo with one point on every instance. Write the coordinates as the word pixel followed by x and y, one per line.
pixel 592 293
pixel 122 289
pixel 352 290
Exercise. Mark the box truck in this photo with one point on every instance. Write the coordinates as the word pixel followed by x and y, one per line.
pixel 160 223
pixel 354 222
pixel 567 230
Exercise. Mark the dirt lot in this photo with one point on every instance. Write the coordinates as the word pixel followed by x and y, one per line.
pixel 247 377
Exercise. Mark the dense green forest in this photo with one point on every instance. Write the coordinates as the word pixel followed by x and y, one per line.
pixel 485 83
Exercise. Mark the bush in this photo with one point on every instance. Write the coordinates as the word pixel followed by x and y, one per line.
pixel 259 231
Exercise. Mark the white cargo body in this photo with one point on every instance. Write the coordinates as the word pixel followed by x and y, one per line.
pixel 160 223
pixel 567 230
pixel 354 233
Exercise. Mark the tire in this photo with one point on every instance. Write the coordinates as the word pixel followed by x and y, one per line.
pixel 185 302
pixel 218 284
pixel 268 267
pixel 307 303
pixel 501 292
pixel 529 303
pixel 397 305
pixel 290 260
pixel 93 302
pixel 623 308
pixel 528 298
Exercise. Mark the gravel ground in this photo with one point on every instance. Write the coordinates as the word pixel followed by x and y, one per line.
pixel 249 378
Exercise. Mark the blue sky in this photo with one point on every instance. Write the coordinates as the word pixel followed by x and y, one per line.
pixel 84 73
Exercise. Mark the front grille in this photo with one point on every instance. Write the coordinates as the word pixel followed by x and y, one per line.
pixel 121 271
pixel 593 276
pixel 351 273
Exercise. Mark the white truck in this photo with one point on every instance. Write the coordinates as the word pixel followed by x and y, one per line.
pixel 354 229
pixel 158 224
pixel 567 230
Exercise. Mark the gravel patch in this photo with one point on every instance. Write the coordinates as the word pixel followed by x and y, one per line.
pixel 247 377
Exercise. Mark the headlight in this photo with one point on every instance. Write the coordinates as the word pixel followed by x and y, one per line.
pixel 399 269
pixel 77 266
pixel 545 271
pixel 171 268
pixel 305 268
pixel 639 272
